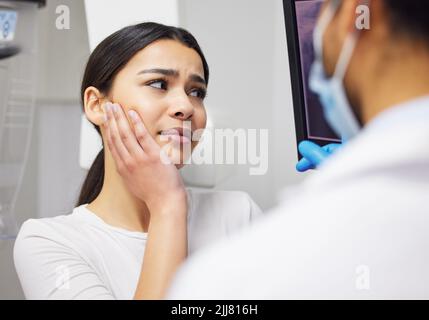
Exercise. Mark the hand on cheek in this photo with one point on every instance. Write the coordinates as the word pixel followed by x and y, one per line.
pixel 139 159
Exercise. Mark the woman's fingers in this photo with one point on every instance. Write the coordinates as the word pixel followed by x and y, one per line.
pixel 110 145
pixel 129 145
pixel 144 138
pixel 116 147
pixel 126 134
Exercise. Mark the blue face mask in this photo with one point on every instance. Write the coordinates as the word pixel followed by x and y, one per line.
pixel 332 95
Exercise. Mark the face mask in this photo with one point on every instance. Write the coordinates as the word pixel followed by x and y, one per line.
pixel 332 95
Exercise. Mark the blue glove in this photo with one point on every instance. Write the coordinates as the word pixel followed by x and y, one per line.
pixel 314 155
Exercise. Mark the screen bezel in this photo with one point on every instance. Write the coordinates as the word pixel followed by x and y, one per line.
pixel 297 84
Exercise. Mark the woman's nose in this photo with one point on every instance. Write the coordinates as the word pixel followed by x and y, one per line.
pixel 181 108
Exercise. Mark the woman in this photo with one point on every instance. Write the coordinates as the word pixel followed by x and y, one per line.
pixel 134 222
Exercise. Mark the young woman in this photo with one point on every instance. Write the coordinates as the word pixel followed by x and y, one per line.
pixel 143 89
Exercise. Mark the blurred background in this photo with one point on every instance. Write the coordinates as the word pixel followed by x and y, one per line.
pixel 245 44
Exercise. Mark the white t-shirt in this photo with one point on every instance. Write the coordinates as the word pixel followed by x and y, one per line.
pixel 79 256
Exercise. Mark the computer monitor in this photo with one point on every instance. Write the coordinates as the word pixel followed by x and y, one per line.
pixel 300 19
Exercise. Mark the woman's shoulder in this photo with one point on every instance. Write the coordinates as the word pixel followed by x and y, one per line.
pixel 48 249
pixel 61 230
pixel 56 223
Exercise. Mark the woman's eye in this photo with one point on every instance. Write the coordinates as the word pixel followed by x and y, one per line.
pixel 158 84
pixel 199 93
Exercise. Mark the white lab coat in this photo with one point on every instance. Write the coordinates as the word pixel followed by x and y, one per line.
pixel 358 228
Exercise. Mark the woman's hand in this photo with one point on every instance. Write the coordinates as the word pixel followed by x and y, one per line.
pixel 143 166
pixel 140 161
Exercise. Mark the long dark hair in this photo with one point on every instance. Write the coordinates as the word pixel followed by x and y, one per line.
pixel 108 58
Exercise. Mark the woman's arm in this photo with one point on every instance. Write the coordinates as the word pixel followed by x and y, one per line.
pixel 165 250
pixel 138 159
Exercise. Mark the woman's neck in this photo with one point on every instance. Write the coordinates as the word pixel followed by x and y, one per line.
pixel 117 206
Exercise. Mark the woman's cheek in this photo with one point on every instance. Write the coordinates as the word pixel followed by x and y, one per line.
pixel 150 119
pixel 201 118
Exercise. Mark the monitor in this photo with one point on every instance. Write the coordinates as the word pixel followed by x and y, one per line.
pixel 300 20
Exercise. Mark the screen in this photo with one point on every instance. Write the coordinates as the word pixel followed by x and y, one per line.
pixel 316 128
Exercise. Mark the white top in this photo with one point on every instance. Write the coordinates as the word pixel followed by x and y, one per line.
pixel 79 256
pixel 358 228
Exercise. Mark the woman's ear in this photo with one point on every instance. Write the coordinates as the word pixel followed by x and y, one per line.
pixel 94 101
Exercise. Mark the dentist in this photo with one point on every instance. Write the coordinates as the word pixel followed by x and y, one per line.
pixel 359 227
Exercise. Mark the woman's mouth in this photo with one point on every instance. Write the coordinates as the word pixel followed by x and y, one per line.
pixel 178 134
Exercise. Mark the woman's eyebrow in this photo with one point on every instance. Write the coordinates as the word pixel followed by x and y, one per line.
pixel 173 73
pixel 198 79
pixel 166 72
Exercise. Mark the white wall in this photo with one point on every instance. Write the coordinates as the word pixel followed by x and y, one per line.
pixel 106 16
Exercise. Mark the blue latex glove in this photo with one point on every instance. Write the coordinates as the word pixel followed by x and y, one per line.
pixel 314 155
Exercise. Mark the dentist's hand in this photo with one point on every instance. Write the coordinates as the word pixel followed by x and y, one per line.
pixel 140 160
pixel 314 155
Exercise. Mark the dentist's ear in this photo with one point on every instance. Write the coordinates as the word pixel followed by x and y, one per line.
pixel 94 102
pixel 347 16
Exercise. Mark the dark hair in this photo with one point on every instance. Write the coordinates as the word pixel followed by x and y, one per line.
pixel 409 17
pixel 108 58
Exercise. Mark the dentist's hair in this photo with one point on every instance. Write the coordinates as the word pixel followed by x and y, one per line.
pixel 108 58
pixel 409 18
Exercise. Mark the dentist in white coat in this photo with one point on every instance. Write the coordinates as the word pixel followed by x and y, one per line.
pixel 358 228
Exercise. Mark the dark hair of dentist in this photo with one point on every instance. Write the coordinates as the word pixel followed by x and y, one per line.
pixel 409 18
pixel 110 56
